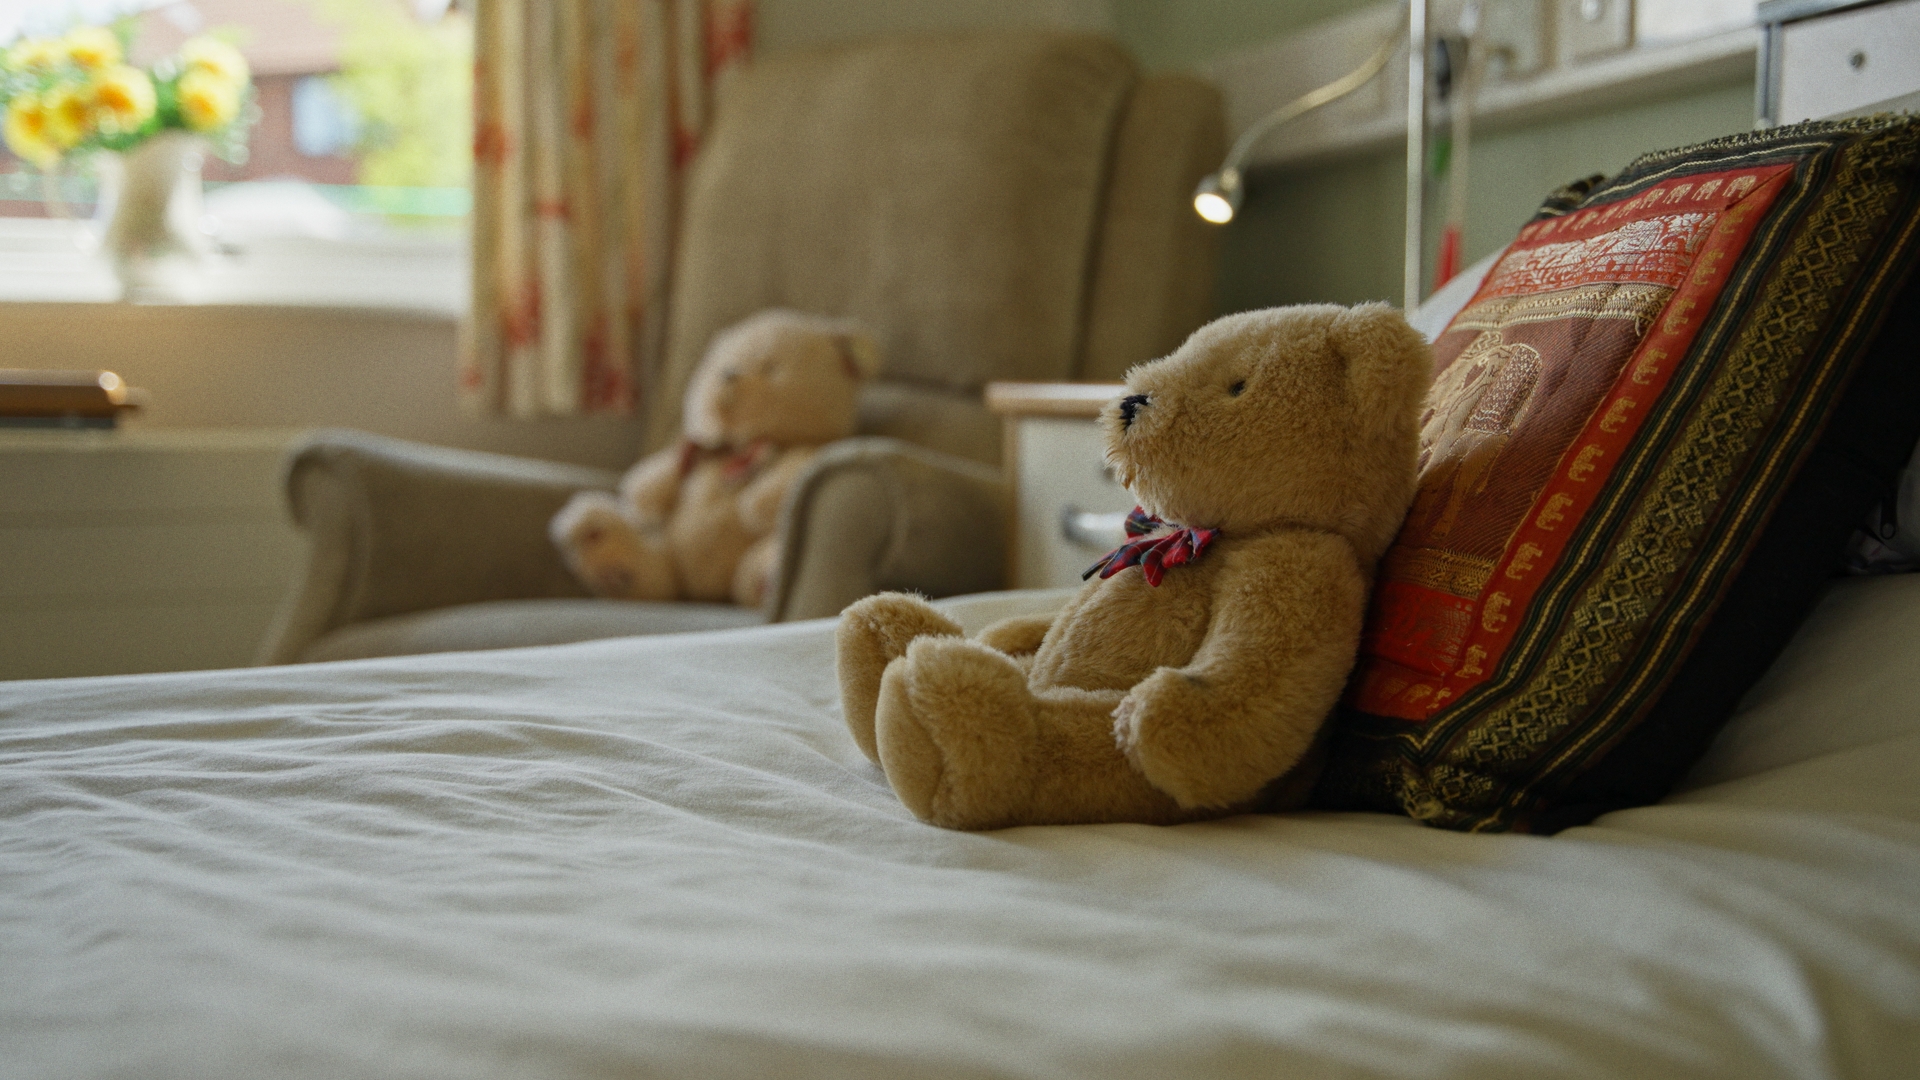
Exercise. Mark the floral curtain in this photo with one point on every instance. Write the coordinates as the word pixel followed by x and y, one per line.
pixel 585 113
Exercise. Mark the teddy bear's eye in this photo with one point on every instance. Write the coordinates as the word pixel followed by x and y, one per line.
pixel 1236 388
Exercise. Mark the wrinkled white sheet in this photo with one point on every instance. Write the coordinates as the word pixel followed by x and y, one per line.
pixel 664 857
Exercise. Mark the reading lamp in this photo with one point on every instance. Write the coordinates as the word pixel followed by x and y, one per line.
pixel 1218 197
pixel 1220 193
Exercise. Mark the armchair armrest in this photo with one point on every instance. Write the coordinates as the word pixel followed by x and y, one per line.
pixel 871 514
pixel 397 527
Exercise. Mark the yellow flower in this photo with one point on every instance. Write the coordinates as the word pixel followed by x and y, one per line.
pixel 26 131
pixel 69 113
pixel 207 102
pixel 216 58
pixel 93 47
pixel 37 54
pixel 122 98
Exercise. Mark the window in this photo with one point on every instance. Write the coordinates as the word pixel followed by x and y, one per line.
pixel 358 152
pixel 325 124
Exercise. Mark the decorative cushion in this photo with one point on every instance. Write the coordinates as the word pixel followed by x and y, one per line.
pixel 1651 432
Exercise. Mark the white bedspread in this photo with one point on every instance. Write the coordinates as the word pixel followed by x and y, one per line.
pixel 664 857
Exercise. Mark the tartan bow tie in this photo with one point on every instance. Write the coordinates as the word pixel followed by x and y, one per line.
pixel 739 465
pixel 1153 554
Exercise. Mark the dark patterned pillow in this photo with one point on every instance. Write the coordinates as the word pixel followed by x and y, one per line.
pixel 1651 432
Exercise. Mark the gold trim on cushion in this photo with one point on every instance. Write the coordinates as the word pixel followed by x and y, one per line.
pixel 1446 571
pixel 1638 302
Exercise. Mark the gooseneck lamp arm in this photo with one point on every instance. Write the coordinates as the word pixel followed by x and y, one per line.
pixel 1219 195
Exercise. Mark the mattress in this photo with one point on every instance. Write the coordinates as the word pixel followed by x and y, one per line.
pixel 665 857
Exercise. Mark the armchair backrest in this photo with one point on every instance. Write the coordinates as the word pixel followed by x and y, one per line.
pixel 991 206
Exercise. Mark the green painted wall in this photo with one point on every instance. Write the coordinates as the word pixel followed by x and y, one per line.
pixel 1168 34
pixel 1333 232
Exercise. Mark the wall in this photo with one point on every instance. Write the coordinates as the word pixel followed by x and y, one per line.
pixel 215 366
pixel 1333 232
pixel 782 24
pixel 1172 34
pixel 166 546
pixel 1325 233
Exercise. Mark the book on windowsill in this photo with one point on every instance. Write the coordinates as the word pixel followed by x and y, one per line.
pixel 87 399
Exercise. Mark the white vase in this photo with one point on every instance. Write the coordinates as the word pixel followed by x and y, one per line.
pixel 147 221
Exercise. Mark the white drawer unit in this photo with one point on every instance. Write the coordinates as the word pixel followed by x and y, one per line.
pixel 1829 59
pixel 127 551
pixel 1068 511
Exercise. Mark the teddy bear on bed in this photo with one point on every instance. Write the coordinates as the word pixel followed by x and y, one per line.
pixel 695 521
pixel 1273 459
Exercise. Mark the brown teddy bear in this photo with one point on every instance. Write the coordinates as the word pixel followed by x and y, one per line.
pixel 1273 459
pixel 695 521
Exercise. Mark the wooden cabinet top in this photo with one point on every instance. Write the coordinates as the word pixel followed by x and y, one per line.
pixel 1072 400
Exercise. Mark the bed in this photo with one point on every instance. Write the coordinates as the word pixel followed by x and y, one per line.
pixel 665 857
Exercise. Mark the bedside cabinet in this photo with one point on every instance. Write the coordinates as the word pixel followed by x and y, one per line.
pixel 1068 511
pixel 1825 59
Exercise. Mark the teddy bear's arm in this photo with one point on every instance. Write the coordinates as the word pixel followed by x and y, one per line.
pixel 651 488
pixel 760 501
pixel 1280 643
pixel 1017 636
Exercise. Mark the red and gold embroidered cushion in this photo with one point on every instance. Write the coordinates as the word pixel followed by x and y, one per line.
pixel 1665 396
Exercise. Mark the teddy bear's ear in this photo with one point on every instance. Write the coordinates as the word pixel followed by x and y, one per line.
pixel 1389 364
pixel 860 353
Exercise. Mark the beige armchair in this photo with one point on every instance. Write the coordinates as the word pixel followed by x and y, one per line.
pixel 993 206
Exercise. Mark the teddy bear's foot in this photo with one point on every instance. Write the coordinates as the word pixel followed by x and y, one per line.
pixel 1087 776
pixel 873 633
pixel 609 556
pixel 955 727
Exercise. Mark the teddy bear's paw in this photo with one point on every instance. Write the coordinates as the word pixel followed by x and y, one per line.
pixel 1208 746
pixel 1126 727
pixel 753 578
pixel 604 551
pixel 955 726
pixel 873 633
pixel 1018 636
pixel 1164 727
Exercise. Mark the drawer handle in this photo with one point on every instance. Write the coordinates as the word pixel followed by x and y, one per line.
pixel 1088 528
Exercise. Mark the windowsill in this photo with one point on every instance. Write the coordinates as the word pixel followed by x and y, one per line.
pixel 46 261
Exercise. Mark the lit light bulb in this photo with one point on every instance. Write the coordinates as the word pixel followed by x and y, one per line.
pixel 1217 198
pixel 1212 207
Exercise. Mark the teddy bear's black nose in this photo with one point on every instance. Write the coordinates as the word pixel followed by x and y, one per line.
pixel 1130 405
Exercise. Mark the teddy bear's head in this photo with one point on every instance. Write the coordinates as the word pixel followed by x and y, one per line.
pixel 781 376
pixel 1302 415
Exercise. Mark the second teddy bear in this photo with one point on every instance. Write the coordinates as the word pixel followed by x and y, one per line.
pixel 1273 458
pixel 695 521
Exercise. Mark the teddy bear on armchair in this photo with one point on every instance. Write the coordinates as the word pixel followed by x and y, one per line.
pixel 695 521
pixel 1273 459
